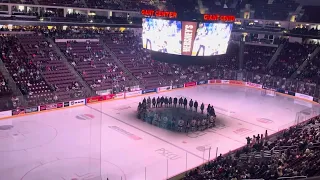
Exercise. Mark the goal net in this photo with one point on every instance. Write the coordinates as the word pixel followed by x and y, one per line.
pixel 306 114
pixel 267 92
pixel 301 117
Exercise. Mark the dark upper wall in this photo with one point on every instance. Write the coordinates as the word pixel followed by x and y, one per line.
pixel 309 2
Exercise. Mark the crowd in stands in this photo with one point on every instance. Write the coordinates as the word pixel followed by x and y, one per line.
pixel 293 152
pixel 312 72
pixel 256 58
pixel 5 93
pixel 128 48
pixel 305 31
pixel 290 58
pixel 94 64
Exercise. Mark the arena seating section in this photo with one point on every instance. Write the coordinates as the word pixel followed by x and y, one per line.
pixel 134 58
pixel 292 152
pixel 5 93
pixel 230 60
pixel 119 5
pixel 24 70
pixel 94 64
pixel 291 58
pixel 70 3
pixel 312 72
pixel 256 58
pixel 277 10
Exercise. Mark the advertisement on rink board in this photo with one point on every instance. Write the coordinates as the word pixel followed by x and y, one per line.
pixel 31 109
pixel 146 91
pixel 178 86
pixel 119 95
pixel 286 92
pixel 100 98
pixel 132 94
pixel 254 85
pixel 104 92
pixel 236 82
pixel 212 81
pixel 303 96
pixel 66 104
pixel 190 84
pixel 5 114
pixel 77 102
pixel 51 106
pixel 202 82
pixel 132 88
pixel 18 111
pixel 164 88
pixel 224 81
pixel 106 97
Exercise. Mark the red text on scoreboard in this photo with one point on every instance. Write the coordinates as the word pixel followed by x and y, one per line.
pixel 217 17
pixel 164 14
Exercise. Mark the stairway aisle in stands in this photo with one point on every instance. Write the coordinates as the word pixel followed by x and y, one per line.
pixel 136 59
pixel 70 67
pixel 58 76
pixel 305 63
pixel 135 81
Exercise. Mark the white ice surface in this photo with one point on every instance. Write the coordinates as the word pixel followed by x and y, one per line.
pixel 106 140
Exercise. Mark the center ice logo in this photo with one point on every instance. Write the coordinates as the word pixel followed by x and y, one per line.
pixel 85 116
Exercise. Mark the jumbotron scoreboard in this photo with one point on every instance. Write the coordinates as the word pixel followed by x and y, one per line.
pixel 206 35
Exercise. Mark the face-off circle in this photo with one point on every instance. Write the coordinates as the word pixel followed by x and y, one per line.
pixel 76 169
pixel 26 135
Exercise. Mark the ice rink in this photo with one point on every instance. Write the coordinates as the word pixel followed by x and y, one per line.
pixel 106 140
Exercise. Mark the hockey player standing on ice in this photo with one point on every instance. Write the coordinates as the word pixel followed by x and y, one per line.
pixel 144 101
pixel 212 111
pixel 190 104
pixel 158 102
pixel 208 109
pixel 180 101
pixel 175 101
pixel 139 106
pixel 149 102
pixel 154 102
pixel 202 108
pixel 170 101
pixel 196 105
pixel 166 101
pixel 185 103
pixel 162 100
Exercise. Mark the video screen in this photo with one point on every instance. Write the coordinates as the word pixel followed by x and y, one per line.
pixel 162 35
pixel 187 38
pixel 211 39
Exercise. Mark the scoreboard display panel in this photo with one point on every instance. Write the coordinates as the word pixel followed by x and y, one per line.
pixel 162 35
pixel 186 37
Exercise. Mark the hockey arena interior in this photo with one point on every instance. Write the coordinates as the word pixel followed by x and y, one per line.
pixel 154 90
